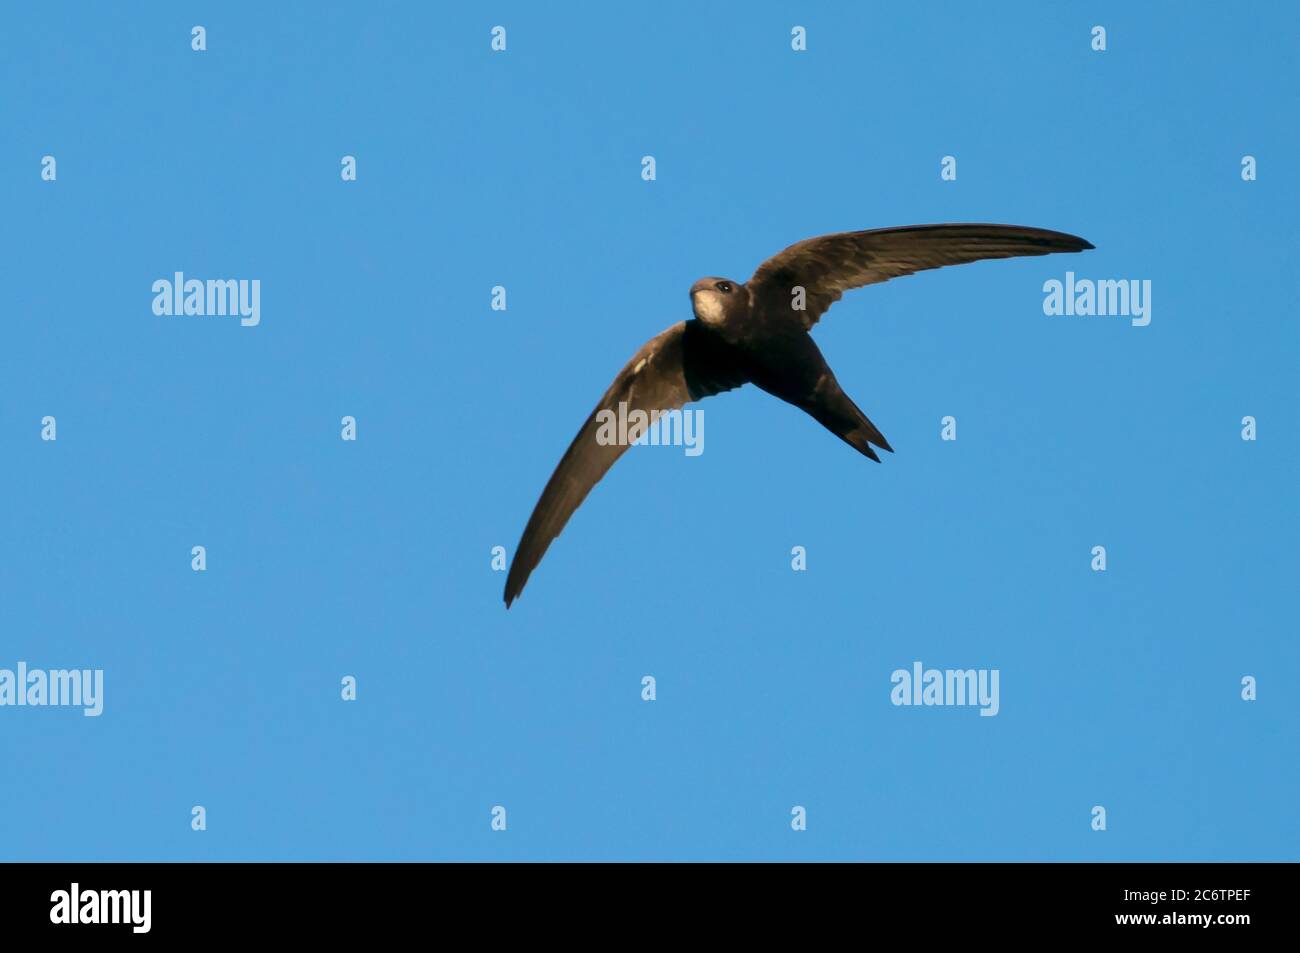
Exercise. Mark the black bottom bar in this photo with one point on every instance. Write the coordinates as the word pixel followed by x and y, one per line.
pixel 338 901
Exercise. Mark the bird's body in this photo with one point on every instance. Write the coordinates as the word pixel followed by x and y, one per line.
pixel 758 332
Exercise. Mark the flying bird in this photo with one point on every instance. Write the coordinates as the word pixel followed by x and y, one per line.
pixel 757 332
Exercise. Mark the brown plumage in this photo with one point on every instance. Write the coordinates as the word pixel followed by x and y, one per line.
pixel 756 333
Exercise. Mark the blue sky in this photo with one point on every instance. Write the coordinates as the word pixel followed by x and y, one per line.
pixel 371 558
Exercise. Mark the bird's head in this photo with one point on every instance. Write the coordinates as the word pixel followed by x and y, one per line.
pixel 716 299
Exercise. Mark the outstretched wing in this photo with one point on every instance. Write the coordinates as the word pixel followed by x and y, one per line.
pixel 685 363
pixel 828 266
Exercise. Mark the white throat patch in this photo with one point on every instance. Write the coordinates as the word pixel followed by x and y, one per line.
pixel 708 306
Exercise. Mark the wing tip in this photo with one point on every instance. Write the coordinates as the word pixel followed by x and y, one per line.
pixel 513 586
pixel 1056 241
pixel 1071 242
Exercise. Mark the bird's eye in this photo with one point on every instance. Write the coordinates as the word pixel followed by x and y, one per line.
pixel 724 287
